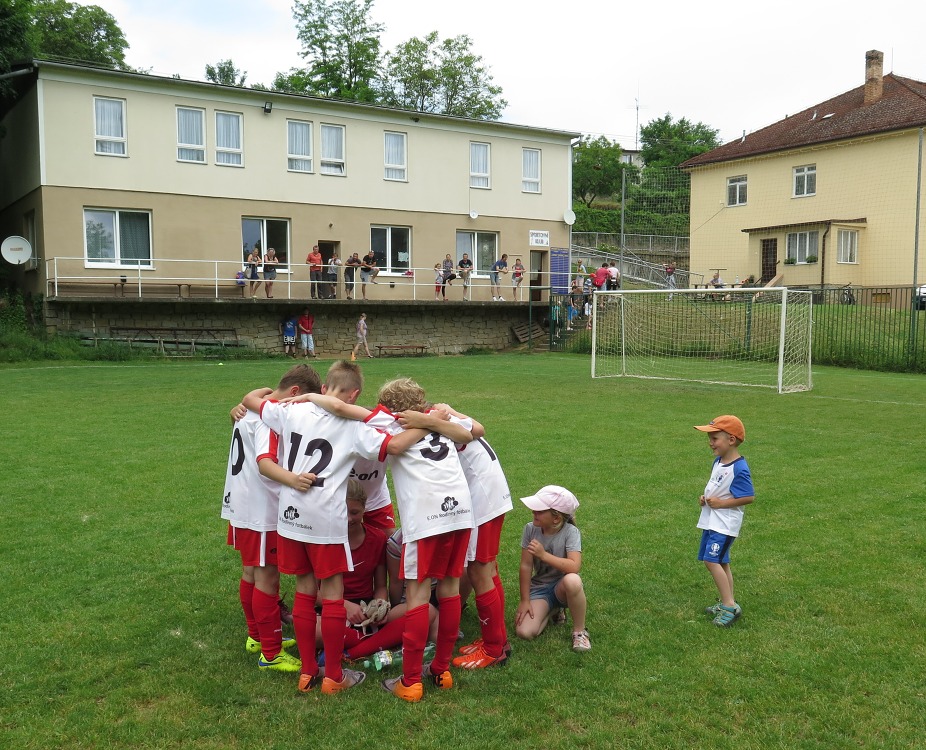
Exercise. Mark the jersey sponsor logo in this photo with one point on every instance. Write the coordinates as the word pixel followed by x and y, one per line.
pixel 449 504
pixel 448 508
pixel 290 514
pixel 365 477
pixel 227 499
pixel 714 549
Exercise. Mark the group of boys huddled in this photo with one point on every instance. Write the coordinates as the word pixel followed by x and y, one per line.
pixel 306 495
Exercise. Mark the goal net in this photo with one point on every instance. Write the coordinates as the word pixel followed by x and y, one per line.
pixel 756 337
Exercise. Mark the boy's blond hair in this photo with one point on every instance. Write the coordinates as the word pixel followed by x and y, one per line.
pixel 344 376
pixel 355 491
pixel 402 394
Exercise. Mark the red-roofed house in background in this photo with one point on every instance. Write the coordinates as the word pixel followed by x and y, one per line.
pixel 826 196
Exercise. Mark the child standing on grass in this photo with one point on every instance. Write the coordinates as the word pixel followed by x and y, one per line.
pixel 551 557
pixel 727 491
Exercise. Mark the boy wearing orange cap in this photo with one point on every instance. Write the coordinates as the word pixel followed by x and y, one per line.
pixel 727 491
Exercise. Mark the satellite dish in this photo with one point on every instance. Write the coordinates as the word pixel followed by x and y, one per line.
pixel 569 216
pixel 16 250
pixel 474 214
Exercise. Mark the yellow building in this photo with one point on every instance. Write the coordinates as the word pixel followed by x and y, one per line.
pixel 826 196
pixel 147 181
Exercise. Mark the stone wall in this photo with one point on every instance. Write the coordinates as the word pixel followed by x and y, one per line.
pixel 446 327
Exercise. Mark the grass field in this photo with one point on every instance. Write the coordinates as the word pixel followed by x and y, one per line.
pixel 119 600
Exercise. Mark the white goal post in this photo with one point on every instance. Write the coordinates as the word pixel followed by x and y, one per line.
pixel 753 336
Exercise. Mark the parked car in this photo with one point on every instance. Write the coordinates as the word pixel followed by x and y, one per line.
pixel 920 298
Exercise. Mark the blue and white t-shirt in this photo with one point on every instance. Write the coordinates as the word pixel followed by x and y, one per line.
pixel 727 481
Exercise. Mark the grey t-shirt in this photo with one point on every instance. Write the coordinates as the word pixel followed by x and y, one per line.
pixel 567 539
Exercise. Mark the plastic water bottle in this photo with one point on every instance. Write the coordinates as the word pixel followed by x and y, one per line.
pixel 388 658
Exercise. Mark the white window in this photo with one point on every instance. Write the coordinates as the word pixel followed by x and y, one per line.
pixel 395 156
pixel 114 237
pixel 530 170
pixel 805 180
pixel 802 245
pixel 392 248
pixel 228 148
pixel 482 248
pixel 332 161
pixel 298 146
pixel 847 246
pixel 191 135
pixel 262 234
pixel 479 165
pixel 109 125
pixel 736 191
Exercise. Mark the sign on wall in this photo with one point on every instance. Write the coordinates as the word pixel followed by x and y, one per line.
pixel 538 238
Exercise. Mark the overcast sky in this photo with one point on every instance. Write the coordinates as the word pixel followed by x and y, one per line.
pixel 585 65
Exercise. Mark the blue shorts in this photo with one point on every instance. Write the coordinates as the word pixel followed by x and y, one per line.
pixel 548 594
pixel 715 547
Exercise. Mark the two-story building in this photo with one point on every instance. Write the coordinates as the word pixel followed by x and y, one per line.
pixel 116 176
pixel 829 195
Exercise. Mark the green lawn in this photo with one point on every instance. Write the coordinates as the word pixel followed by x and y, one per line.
pixel 123 629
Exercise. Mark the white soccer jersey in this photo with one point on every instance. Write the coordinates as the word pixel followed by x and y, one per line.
pixel 372 475
pixel 431 490
pixel 727 481
pixel 487 483
pixel 318 442
pixel 250 500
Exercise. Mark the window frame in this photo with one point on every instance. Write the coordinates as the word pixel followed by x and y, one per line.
pixel 400 169
pixel 476 178
pixel 283 255
pixel 292 156
pixel 805 176
pixel 327 162
pixel 222 152
pixel 806 249
pixel 472 247
pixel 841 250
pixel 737 190
pixel 387 261
pixel 117 261
pixel 101 138
pixel 184 146
pixel 527 179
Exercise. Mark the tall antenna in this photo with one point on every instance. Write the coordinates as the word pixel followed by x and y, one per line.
pixel 636 133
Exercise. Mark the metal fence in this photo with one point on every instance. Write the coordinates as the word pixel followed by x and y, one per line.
pixel 868 328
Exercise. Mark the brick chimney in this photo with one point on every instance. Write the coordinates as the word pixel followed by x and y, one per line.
pixel 874 81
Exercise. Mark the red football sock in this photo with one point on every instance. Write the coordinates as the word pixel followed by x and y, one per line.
pixel 493 634
pixel 304 619
pixel 334 615
pixel 501 602
pixel 448 626
pixel 267 611
pixel 414 639
pixel 389 636
pixel 246 595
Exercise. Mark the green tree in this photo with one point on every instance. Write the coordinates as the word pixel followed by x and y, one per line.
pixel 597 169
pixel 79 33
pixel 225 73
pixel 15 37
pixel 667 143
pixel 445 77
pixel 296 81
pixel 341 43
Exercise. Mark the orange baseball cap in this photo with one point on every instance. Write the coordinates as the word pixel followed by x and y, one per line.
pixel 725 423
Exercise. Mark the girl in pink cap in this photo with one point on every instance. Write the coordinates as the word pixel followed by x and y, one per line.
pixel 551 557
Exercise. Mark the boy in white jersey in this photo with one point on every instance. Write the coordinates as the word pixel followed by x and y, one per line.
pixel 491 501
pixel 312 522
pixel 345 381
pixel 436 511
pixel 250 503
pixel 727 492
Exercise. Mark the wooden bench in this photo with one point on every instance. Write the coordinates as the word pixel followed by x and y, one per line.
pixel 403 349
pixel 119 289
pixel 227 291
pixel 175 341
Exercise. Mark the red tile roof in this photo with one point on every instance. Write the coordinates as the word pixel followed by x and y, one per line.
pixel 902 105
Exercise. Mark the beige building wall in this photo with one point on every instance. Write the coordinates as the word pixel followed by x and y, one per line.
pixel 872 179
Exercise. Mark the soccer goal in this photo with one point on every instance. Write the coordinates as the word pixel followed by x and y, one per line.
pixel 756 337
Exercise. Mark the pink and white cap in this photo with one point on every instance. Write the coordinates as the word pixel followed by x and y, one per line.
pixel 552 497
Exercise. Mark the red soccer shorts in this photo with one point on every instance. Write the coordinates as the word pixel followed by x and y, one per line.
pixel 488 539
pixel 439 557
pixel 322 560
pixel 381 518
pixel 257 548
